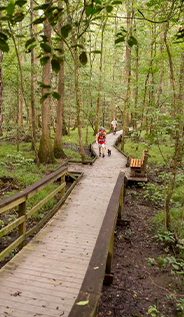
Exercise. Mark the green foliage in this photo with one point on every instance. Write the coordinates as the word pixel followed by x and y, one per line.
pixel 73 138
pixel 165 237
pixel 55 64
pixel 39 197
pixel 155 193
pixel 177 266
pixel 65 30
pixel 158 155
pixel 83 58
pixel 151 261
pixel 132 41
pixel 154 312
pixel 1 224
pixel 19 160
pixel 180 307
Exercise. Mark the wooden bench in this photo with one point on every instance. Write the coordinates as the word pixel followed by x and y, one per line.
pixel 138 166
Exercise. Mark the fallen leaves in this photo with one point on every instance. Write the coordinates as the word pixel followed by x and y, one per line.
pixel 82 303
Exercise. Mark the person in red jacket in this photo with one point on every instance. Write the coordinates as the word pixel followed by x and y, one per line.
pixel 101 141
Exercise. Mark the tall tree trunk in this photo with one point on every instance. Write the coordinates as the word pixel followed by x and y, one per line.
pixel 1 93
pixel 1 89
pixel 45 153
pixel 78 103
pixel 90 94
pixel 152 80
pixel 160 88
pixel 58 144
pixel 100 81
pixel 33 79
pixel 113 112
pixel 127 74
pixel 177 137
pixel 171 67
pixel 20 69
pixel 144 120
pixel 181 102
pixel 136 72
pixel 77 90
pixel 20 100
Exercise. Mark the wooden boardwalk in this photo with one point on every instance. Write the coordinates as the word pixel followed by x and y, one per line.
pixel 45 277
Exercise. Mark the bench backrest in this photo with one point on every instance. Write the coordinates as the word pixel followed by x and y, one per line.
pixel 144 158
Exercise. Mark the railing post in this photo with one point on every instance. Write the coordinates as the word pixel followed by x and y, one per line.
pixel 62 181
pixel 108 272
pixel 121 197
pixel 22 226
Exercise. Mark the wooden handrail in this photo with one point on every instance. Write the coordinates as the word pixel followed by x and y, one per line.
pixel 30 191
pixel 20 199
pixel 101 260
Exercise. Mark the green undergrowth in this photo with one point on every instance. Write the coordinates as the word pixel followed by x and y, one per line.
pixel 159 174
pixel 18 171
pixel 158 155
pixel 73 137
pixel 19 166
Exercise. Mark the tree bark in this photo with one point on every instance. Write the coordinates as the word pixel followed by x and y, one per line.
pixel 1 93
pixel 58 143
pixel 113 112
pixel 100 81
pixel 136 72
pixel 78 103
pixel 127 75
pixel 33 79
pixel 178 134
pixel 160 88
pixel 20 100
pixel 45 153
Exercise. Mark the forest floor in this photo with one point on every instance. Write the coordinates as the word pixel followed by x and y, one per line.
pixel 145 283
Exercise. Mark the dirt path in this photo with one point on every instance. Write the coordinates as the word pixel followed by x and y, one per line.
pixel 141 287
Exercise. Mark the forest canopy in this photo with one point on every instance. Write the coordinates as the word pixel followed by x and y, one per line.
pixel 75 64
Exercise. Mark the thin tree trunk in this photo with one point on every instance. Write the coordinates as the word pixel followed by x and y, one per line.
pixel 17 113
pixel 128 76
pixel 177 137
pixel 33 116
pixel 100 82
pixel 78 103
pixel 1 93
pixel 77 90
pixel 113 115
pixel 146 83
pixel 90 95
pixel 58 143
pixel 1 88
pixel 136 82
pixel 171 67
pixel 20 104
pixel 160 88
pixel 152 80
pixel 20 69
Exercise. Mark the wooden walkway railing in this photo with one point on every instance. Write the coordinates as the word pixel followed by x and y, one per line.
pixel 99 269
pixel 19 200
